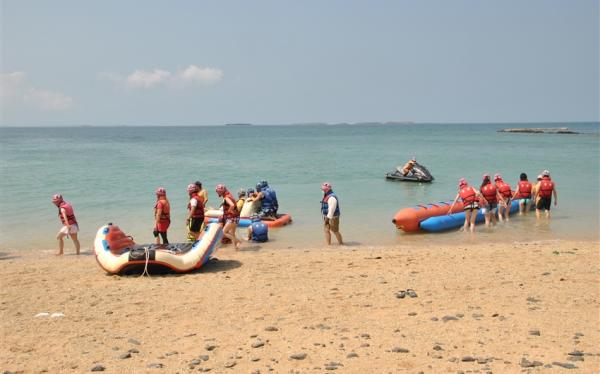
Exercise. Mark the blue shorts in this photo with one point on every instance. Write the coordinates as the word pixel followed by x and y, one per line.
pixel 489 208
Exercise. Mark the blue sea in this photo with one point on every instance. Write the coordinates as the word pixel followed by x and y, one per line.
pixel 109 174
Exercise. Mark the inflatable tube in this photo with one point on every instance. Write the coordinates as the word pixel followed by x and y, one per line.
pixel 408 219
pixel 456 220
pixel 117 253
pixel 282 220
pixel 213 213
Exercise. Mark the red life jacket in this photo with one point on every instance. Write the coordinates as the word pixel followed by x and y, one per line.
pixel 524 190
pixel 229 211
pixel 503 188
pixel 468 195
pixel 546 187
pixel 199 210
pixel 70 214
pixel 489 193
pixel 165 215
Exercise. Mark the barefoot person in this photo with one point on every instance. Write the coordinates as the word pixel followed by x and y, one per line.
pixel 231 215
pixel 70 227
pixel 409 166
pixel 330 209
pixel 505 197
pixel 490 194
pixel 202 192
pixel 523 193
pixel 162 216
pixel 546 189
pixel 470 199
pixel 195 217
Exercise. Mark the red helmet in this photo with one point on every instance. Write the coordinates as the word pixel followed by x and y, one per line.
pixel 462 182
pixel 220 189
pixel 57 198
pixel 160 191
pixel 192 188
pixel 326 187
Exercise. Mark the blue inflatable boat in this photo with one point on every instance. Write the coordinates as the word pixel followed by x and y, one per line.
pixel 456 220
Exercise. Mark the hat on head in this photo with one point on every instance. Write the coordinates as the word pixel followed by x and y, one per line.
pixel 160 191
pixel 462 182
pixel 546 173
pixel 497 176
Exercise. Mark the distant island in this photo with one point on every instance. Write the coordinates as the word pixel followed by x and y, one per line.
pixel 238 124
pixel 551 130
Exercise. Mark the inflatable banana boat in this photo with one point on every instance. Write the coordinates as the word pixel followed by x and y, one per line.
pixel 408 219
pixel 117 253
pixel 456 220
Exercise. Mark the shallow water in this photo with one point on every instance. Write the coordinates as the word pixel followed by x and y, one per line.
pixel 109 174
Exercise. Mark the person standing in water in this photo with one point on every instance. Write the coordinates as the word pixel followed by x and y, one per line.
pixel 470 199
pixel 523 193
pixel 330 209
pixel 490 194
pixel 231 215
pixel 505 197
pixel 162 216
pixel 70 226
pixel 545 189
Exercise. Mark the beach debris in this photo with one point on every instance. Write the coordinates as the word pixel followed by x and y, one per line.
pixel 365 335
pixel 411 293
pixel 575 358
pixel 171 353
pixel 189 334
pixel 56 315
pixel 125 355
pixel 254 358
pixel 529 364
pixel 535 332
pixel 437 348
pixel 230 364
pixel 467 359
pixel 156 365
pixel 298 356
pixel 434 319
pixel 401 294
pixel 477 316
pixel 449 318
pixel 365 345
pixel 533 300
pixel 98 368
pixel 210 347
pixel 42 314
pixel 575 353
pixel 203 357
pixel 134 350
pixel 133 341
pixel 271 328
pixel 257 343
pixel 400 350
pixel 565 365
pixel 352 355
pixel 412 314
pixel 332 365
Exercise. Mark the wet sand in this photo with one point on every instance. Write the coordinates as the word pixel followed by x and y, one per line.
pixel 499 308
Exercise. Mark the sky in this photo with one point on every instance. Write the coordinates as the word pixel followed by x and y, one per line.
pixel 279 62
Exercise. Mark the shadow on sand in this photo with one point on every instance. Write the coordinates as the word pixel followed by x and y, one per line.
pixel 7 256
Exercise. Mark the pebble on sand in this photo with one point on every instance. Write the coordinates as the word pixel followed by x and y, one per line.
pixel 98 368
pixel 565 365
pixel 352 355
pixel 125 355
pixel 257 344
pixel 230 364
pixel 210 347
pixel 298 356
pixel 529 364
pixel 133 341
pixel 271 328
pixel 534 332
pixel 449 318
pixel 400 350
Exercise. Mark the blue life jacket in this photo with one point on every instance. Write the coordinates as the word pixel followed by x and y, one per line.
pixel 325 205
pixel 269 201
pixel 260 232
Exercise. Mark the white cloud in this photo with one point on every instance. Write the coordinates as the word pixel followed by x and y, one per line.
pixel 192 75
pixel 196 74
pixel 141 78
pixel 48 100
pixel 15 90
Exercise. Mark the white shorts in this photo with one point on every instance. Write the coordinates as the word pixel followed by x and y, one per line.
pixel 74 230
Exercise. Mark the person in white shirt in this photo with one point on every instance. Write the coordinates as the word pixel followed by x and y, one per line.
pixel 330 209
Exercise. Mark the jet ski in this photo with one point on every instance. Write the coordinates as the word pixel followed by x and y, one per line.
pixel 418 173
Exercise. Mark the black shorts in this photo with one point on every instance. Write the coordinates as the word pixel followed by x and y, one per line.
pixel 544 203
pixel 472 206
pixel 196 224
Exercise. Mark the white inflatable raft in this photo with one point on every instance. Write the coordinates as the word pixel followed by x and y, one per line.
pixel 118 253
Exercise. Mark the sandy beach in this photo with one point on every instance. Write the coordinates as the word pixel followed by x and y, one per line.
pixel 501 308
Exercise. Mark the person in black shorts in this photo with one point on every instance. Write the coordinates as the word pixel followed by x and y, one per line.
pixel 546 189
pixel 195 218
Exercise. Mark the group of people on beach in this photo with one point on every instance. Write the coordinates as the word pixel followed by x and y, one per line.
pixel 496 198
pixel 196 207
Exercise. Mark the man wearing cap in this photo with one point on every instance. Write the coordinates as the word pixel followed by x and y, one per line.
pixel 545 190
pixel 70 226
pixel 330 209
